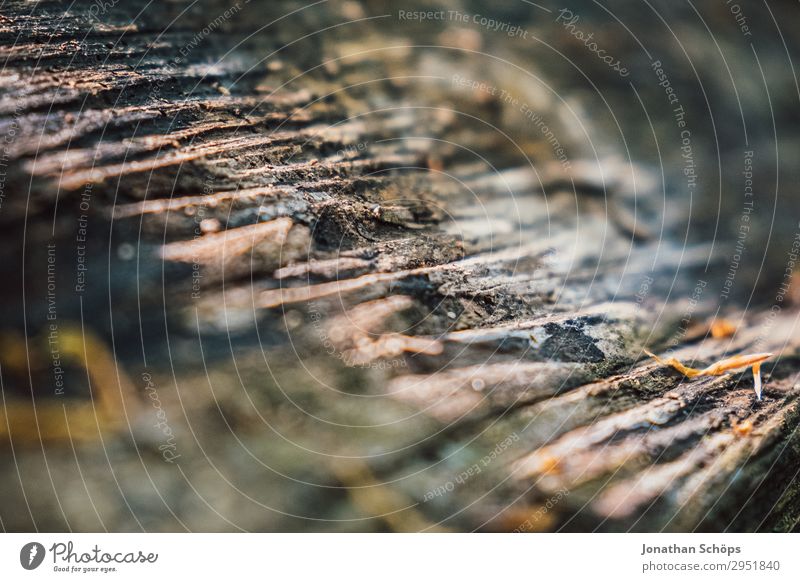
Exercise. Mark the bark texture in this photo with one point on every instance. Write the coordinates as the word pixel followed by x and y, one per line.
pixel 262 284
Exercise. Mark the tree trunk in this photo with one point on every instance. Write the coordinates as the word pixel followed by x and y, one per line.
pixel 254 282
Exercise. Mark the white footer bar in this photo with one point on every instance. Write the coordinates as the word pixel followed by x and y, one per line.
pixel 407 557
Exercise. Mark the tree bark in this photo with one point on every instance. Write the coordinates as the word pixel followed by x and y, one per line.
pixel 339 286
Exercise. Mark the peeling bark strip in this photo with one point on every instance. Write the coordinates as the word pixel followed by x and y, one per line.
pixel 350 262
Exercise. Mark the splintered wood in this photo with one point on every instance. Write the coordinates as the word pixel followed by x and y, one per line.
pixel 357 297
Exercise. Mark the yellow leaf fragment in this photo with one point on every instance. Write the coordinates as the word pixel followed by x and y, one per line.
pixel 722 328
pixel 742 429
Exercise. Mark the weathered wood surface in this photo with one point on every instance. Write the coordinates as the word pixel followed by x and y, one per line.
pixel 337 291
